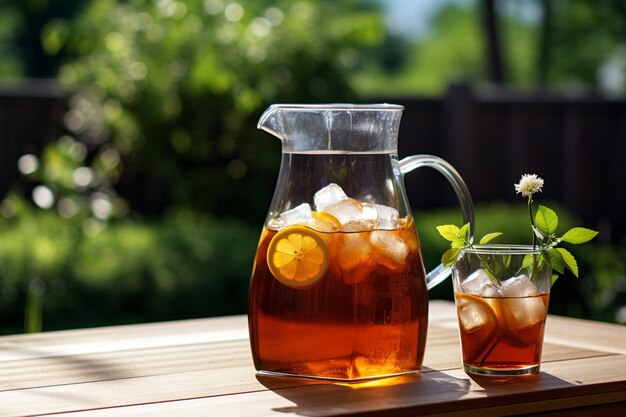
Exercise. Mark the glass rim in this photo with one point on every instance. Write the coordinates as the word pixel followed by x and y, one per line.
pixel 503 250
pixel 341 106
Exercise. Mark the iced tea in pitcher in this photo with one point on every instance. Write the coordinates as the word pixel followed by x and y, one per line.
pixel 339 292
pixel 338 288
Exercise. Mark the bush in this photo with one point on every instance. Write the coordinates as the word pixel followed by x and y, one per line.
pixel 194 266
pixel 188 266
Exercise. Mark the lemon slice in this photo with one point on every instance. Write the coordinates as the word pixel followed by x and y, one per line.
pixel 324 222
pixel 297 257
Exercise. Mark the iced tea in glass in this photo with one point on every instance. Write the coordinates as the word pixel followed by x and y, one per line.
pixel 501 320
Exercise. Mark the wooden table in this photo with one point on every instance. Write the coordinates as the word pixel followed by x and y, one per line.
pixel 203 368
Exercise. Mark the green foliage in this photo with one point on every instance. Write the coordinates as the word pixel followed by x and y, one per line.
pixel 32 36
pixel 601 291
pixel 191 266
pixel 586 35
pixel 489 237
pixel 545 225
pixel 452 50
pixel 188 266
pixel 578 235
pixel 583 37
pixel 168 94
pixel 10 64
pixel 520 45
pixel 568 260
pixel 459 239
pixel 546 220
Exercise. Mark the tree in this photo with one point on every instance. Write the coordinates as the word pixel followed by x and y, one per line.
pixel 583 37
pixel 168 93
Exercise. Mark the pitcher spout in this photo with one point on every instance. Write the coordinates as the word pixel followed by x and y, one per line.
pixel 271 122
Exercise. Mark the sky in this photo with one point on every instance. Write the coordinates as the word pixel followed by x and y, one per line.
pixel 411 17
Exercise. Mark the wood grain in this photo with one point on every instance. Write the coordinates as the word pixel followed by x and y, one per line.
pixel 203 367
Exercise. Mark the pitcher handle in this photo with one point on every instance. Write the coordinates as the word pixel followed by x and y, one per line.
pixel 410 163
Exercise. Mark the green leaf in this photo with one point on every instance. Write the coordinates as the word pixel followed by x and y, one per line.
pixel 489 237
pixel 528 260
pixel 449 256
pixel 555 259
pixel 458 243
pixel 578 235
pixel 570 261
pixel 554 278
pixel 448 231
pixel 464 232
pixel 506 260
pixel 492 276
pixel 546 220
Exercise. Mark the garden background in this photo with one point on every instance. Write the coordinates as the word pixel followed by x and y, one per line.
pixel 134 184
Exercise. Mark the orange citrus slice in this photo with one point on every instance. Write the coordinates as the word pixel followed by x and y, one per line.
pixel 327 217
pixel 324 222
pixel 297 257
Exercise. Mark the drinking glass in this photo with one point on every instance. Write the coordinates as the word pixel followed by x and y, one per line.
pixel 501 295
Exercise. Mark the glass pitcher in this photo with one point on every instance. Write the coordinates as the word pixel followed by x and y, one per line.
pixel 338 287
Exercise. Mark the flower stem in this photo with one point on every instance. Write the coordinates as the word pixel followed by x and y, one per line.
pixel 532 221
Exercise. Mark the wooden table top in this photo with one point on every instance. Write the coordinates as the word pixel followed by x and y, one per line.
pixel 204 368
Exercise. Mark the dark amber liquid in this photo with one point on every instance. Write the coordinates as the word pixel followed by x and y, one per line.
pixel 504 343
pixel 366 322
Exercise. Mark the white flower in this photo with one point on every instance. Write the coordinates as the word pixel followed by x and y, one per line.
pixel 528 185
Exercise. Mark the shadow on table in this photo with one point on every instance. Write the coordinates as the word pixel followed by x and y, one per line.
pixel 542 381
pixel 83 368
pixel 388 393
pixel 428 391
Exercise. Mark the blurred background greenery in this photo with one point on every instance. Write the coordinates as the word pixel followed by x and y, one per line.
pixel 147 202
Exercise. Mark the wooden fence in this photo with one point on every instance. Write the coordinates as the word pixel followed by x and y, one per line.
pixel 30 115
pixel 577 144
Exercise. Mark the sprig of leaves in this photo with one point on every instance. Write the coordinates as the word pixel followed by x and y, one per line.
pixel 459 239
pixel 543 225
pixel 546 223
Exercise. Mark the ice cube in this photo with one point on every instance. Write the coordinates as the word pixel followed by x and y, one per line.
pixel 475 314
pixel 387 217
pixel 327 196
pixel 276 221
pixel 522 308
pixel 520 313
pixel 360 218
pixel 479 283
pixel 369 213
pixel 346 210
pixel 519 286
pixel 298 215
pixel 354 251
pixel 358 226
pixel 479 325
pixel 354 258
pixel 391 250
